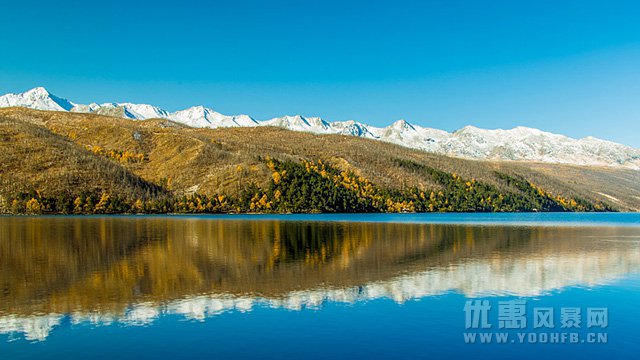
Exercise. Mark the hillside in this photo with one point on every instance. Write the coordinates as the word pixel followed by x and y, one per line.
pixel 72 162
pixel 520 143
pixel 34 159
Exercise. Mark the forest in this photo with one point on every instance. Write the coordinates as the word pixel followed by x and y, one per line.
pixel 316 187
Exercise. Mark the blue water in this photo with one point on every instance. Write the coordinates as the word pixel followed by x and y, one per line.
pixel 427 328
pixel 369 286
pixel 506 219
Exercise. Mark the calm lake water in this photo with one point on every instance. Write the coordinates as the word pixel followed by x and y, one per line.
pixel 321 286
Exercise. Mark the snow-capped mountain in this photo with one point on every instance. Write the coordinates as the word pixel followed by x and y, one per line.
pixel 414 136
pixel 517 144
pixel 36 98
pixel 300 123
pixel 353 128
pixel 128 110
pixel 200 116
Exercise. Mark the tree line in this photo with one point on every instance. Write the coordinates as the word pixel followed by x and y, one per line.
pixel 317 187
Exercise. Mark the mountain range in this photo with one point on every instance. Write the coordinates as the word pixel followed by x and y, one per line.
pixel 517 144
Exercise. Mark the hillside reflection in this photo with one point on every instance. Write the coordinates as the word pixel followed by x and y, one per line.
pixel 133 270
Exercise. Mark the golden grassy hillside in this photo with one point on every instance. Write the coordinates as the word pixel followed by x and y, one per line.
pixel 55 152
pixel 34 157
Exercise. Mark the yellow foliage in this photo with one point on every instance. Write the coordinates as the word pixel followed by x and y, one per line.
pixel 77 205
pixel 103 203
pixel 122 156
pixel 270 164
pixel 34 206
pixel 276 177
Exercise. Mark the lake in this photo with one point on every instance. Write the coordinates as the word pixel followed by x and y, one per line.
pixel 486 286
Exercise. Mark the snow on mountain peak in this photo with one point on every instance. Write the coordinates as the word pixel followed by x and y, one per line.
pixel 200 116
pixel 145 111
pixel 518 143
pixel 402 124
pixel 197 111
pixel 470 129
pixel 196 116
pixel 200 111
pixel 525 129
pixel 38 91
pixel 245 120
pixel 353 128
pixel 36 98
pixel 300 123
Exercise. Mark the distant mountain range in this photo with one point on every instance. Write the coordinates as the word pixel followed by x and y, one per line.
pixel 518 144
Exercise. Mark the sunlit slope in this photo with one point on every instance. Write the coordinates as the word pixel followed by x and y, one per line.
pixel 32 157
pixel 58 152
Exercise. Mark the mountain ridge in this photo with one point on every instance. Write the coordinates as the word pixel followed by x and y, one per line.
pixel 67 162
pixel 517 144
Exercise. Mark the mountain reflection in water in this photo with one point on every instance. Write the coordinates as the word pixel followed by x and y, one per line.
pixel 132 270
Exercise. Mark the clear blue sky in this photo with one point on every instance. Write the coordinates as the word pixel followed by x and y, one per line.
pixel 571 67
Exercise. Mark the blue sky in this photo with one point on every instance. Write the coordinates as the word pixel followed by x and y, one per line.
pixel 571 67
